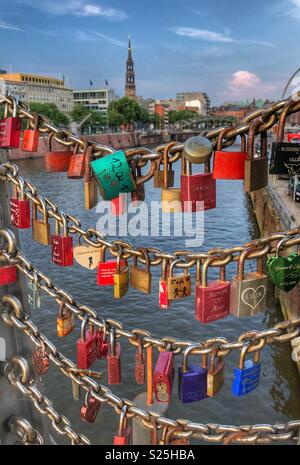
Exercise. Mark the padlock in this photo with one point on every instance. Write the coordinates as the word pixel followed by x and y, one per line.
pixel 179 285
pixel 20 207
pixel 87 346
pixel 248 293
pixel 140 363
pixel 164 301
pixel 197 149
pixel 90 409
pixel 57 160
pixel 90 185
pixel 284 272
pixel 8 274
pixel 77 162
pixel 122 438
pixel 62 245
pixel 10 128
pixel 192 379
pixel 164 376
pixel 118 206
pixel 215 374
pixel 158 177
pixel 171 198
pixel 121 279
pixel 229 165
pixel 34 293
pixel 86 255
pixel 40 360
pixel 138 195
pixel 114 374
pixel 102 344
pixel 285 156
pixel 31 136
pixel 113 175
pixel 141 279
pixel 213 299
pixel 107 269
pixel 247 376
pixel 40 227
pixel 65 321
pixel 198 191
pixel 256 168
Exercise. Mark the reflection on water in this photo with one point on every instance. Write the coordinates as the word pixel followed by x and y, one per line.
pixel 232 223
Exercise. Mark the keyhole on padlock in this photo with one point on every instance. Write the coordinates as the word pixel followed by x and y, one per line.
pixel 90 262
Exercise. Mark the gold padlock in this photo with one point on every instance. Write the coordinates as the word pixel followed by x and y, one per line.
pixel 41 228
pixel 215 373
pixel 179 286
pixel 121 279
pixel 171 198
pixel 90 184
pixel 141 279
pixel 158 179
pixel 65 321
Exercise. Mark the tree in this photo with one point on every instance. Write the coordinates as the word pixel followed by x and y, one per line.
pixel 79 112
pixel 51 111
pixel 126 111
pixel 176 116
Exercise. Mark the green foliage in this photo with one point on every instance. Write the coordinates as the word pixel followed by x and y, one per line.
pixel 176 116
pixel 79 112
pixel 126 111
pixel 51 111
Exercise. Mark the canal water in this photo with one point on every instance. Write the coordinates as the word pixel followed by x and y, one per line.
pixel 232 223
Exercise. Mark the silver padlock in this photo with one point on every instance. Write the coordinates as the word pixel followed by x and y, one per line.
pixel 248 293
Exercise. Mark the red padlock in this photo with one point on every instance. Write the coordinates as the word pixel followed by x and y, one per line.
pixel 198 191
pixel 62 246
pixel 76 168
pixel 10 128
pixel 8 275
pixel 123 436
pixel 229 165
pixel 213 299
pixel 164 376
pixel 107 269
pixel 57 161
pixel 87 347
pixel 20 207
pixel 164 301
pixel 90 409
pixel 30 141
pixel 114 360
pixel 118 206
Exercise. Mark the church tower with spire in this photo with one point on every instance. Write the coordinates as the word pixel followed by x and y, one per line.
pixel 130 90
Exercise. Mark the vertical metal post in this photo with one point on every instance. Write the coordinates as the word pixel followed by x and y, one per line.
pixel 12 342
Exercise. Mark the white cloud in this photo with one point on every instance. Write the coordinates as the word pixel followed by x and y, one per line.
pixel 294 8
pixel 202 34
pixel 4 25
pixel 244 82
pixel 76 8
pixel 93 35
pixel 211 36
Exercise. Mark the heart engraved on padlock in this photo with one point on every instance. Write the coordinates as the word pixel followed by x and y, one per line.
pixel 253 297
pixel 284 272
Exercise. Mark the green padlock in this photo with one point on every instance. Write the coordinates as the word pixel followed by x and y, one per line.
pixel 284 272
pixel 113 175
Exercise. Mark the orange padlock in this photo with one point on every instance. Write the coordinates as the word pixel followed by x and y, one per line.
pixel 57 160
pixel 76 168
pixel 229 165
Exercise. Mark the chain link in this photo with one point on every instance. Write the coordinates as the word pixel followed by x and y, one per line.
pixel 25 431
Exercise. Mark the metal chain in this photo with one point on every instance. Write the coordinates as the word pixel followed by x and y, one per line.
pixel 282 332
pixel 259 434
pixel 28 435
pixel 91 236
pixel 43 405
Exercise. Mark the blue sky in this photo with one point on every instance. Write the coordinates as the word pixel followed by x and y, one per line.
pixel 230 49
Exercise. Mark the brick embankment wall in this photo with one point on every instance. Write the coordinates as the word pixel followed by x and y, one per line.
pixel 269 222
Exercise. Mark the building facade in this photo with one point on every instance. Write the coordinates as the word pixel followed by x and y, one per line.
pixel 195 101
pixel 130 88
pixel 32 88
pixel 95 99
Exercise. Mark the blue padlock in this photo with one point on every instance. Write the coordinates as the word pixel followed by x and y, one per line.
pixel 247 376
pixel 192 380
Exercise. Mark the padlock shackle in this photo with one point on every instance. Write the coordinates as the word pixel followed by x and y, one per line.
pixel 282 120
pixel 123 421
pixel 281 244
pixel 43 206
pixel 88 174
pixel 221 137
pixel 174 262
pixel 64 224
pixel 259 255
pixel 244 352
pixel 185 355
pixel 20 189
pixel 144 178
pixel 222 262
pixel 112 342
pixel 145 254
pixel 251 139
pixel 83 329
pixel 164 269
pixel 166 162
